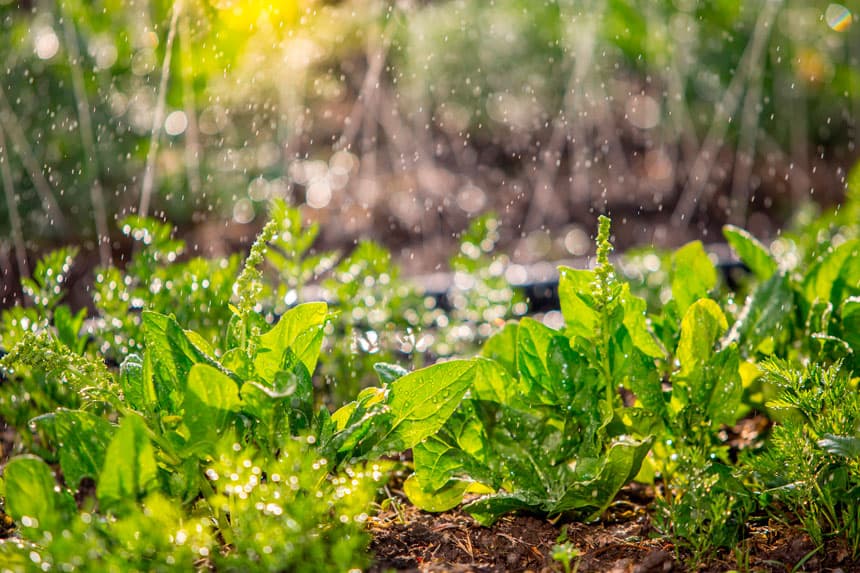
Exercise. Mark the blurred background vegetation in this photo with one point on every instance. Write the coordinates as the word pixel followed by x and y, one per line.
pixel 402 121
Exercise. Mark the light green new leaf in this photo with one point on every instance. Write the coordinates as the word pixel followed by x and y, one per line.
pixel 300 329
pixel 502 347
pixel 750 250
pixel 493 382
pixel 423 400
pixel 575 294
pixel 636 324
pixel 447 497
pixel 693 275
pixel 30 493
pixel 701 328
pixel 211 400
pixel 709 379
pixel 129 469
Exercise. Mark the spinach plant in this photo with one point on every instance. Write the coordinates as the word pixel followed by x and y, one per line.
pixel 543 427
pixel 226 436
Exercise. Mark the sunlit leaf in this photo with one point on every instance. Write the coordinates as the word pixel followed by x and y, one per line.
pixel 750 250
pixel 129 469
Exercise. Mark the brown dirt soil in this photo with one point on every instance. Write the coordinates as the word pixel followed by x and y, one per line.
pixel 624 541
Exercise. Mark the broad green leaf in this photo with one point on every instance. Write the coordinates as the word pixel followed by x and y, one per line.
pixel 199 342
pixel 263 403
pixel 172 355
pixel 502 347
pixel 844 446
pixel 389 372
pixel 299 329
pixel 69 327
pixel 237 360
pixel 447 497
pixel 129 469
pixel 818 284
pixel 766 319
pixel 828 348
pixel 548 366
pixel 267 405
pixel 636 323
pixel 31 497
pixel 708 380
pixel 701 328
pixel 302 400
pixel 533 343
pixel 459 450
pixel 423 400
pixel 137 388
pixel 751 252
pixel 285 406
pixel 819 317
pixel 493 382
pixel 488 509
pixel 646 383
pixel 595 486
pixel 850 313
pixel 82 441
pixel 693 275
pixel 848 283
pixel 531 445
pixel 575 295
pixel 211 401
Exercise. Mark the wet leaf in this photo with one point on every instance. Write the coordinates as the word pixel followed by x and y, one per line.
pixel 693 275
pixel 299 329
pixel 751 252
pixel 444 498
pixel 129 469
pixel 31 498
pixel 211 401
pixel 422 401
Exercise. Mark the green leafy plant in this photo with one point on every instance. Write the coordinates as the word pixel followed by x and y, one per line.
pixel 543 427
pixel 188 422
pixel 565 554
pixel 804 302
pixel 228 437
pixel 811 466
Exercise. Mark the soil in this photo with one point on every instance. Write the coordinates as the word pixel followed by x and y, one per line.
pixel 623 541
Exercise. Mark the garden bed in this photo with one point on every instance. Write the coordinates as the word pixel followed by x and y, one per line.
pixel 623 542
pixel 663 419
